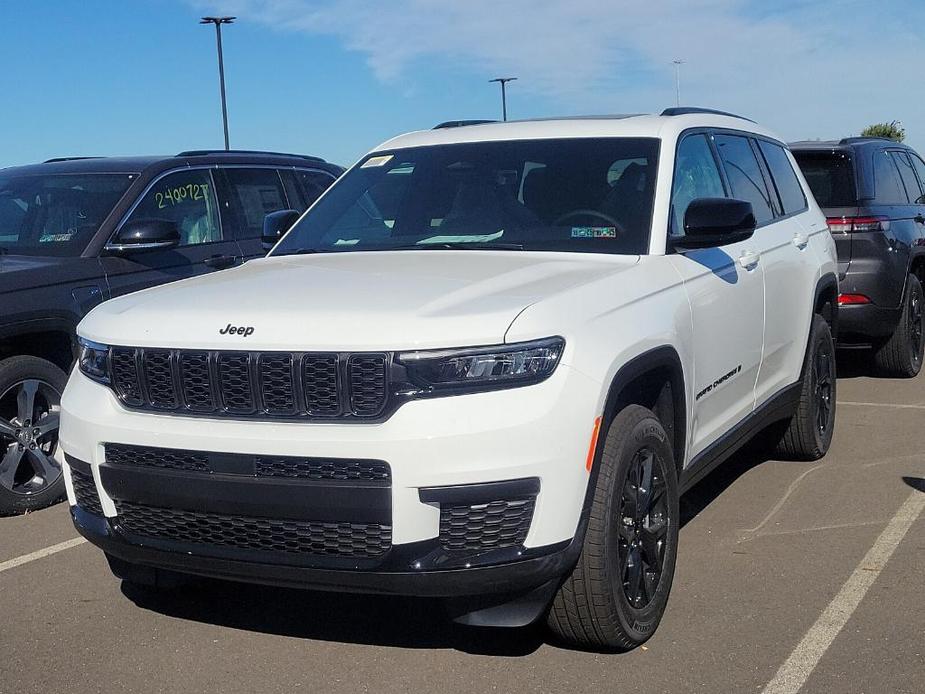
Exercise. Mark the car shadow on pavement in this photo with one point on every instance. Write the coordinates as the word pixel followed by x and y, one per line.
pixel 757 451
pixel 855 363
pixel 364 619
pixel 917 483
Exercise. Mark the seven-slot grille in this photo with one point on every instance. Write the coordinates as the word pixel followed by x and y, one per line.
pixel 243 384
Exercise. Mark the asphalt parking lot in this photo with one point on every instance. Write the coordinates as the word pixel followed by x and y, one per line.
pixel 789 575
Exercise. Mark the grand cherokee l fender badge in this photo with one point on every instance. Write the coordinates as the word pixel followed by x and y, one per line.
pixel 230 329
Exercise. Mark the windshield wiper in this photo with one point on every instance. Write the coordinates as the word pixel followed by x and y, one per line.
pixel 296 251
pixel 457 245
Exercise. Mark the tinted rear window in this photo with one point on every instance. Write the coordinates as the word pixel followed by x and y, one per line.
pixel 830 176
pixel 788 186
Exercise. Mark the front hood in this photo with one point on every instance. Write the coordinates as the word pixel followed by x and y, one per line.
pixel 348 301
pixel 21 272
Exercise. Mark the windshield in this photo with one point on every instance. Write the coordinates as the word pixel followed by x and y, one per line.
pixel 830 176
pixel 583 195
pixel 55 214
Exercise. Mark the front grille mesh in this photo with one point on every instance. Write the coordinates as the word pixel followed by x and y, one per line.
pixel 322 469
pixel 491 525
pixel 252 384
pixel 263 534
pixel 85 491
pixel 165 458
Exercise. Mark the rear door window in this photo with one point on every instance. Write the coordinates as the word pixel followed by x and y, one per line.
pixel 788 185
pixel 830 176
pixel 313 184
pixel 744 174
pixel 254 193
pixel 888 186
pixel 907 174
pixel 696 175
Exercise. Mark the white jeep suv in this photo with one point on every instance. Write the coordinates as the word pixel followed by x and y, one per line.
pixel 483 366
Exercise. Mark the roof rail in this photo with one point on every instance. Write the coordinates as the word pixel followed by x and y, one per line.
pixel 685 110
pixel 865 138
pixel 57 159
pixel 461 123
pixel 207 152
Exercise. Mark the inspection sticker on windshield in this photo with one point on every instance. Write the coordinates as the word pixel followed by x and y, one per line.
pixel 594 232
pixel 376 161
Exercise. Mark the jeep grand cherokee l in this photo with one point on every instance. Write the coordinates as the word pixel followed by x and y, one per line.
pixel 483 367
pixel 74 232
pixel 872 191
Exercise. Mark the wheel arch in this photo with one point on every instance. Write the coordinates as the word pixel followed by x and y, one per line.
pixel 825 301
pixel 655 380
pixel 53 341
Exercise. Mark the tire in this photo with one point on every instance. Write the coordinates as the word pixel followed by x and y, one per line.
pixel 901 355
pixel 30 398
pixel 595 607
pixel 808 433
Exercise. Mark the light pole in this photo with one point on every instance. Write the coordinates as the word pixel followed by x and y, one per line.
pixel 677 77
pixel 503 81
pixel 218 21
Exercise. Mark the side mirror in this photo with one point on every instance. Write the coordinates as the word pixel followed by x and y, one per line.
pixel 145 235
pixel 275 225
pixel 712 222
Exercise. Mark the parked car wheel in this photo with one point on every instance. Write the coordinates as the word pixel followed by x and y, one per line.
pixel 617 593
pixel 30 399
pixel 809 432
pixel 901 355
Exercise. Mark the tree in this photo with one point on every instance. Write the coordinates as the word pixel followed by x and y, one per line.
pixel 892 130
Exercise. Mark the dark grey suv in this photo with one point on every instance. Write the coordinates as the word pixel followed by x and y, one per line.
pixel 872 191
pixel 74 232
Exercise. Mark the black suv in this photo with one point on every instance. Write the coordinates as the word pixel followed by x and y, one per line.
pixel 872 191
pixel 75 232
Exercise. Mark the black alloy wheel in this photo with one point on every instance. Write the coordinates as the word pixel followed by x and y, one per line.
pixel 29 411
pixel 915 329
pixel 823 386
pixel 643 528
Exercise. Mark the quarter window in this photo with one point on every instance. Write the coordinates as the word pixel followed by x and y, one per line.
pixel 313 184
pixel 744 174
pixel 889 189
pixel 695 176
pixel 907 174
pixel 186 198
pixel 920 170
pixel 788 185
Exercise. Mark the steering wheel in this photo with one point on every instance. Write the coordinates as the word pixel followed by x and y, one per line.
pixel 589 213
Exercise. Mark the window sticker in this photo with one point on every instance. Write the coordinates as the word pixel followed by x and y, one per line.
pixel 462 238
pixel 376 161
pixel 594 232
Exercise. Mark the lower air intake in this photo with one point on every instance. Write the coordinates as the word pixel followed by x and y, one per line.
pixel 361 540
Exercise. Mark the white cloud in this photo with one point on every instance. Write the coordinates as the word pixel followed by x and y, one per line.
pixel 806 68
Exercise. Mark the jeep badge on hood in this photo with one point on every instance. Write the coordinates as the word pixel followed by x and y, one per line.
pixel 230 329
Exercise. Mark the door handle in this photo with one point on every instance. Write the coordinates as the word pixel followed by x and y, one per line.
pixel 800 240
pixel 219 262
pixel 749 259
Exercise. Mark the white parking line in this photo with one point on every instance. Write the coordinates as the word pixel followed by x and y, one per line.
pixel 793 674
pixel 38 554
pixel 881 404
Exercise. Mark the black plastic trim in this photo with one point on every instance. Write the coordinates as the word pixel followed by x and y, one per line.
pixel 778 407
pixel 398 574
pixel 478 493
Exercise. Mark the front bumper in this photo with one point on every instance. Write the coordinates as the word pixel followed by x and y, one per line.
pixel 489 443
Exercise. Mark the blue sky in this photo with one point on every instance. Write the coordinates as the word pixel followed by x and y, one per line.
pixel 336 77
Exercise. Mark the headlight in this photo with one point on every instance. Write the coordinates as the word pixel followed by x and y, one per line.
pixel 93 360
pixel 483 368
